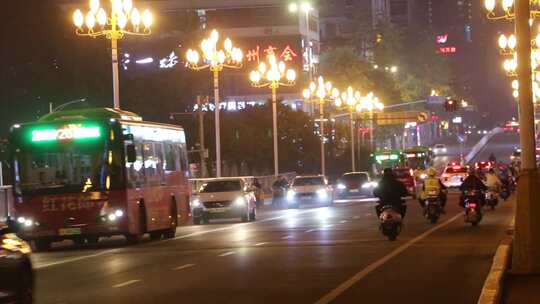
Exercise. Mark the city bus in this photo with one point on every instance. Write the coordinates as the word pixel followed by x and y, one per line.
pixel 419 156
pixel 81 175
pixel 386 158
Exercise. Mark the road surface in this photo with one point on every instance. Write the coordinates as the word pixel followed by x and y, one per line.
pixel 311 255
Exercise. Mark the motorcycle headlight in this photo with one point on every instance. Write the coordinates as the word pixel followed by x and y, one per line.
pixel 290 194
pixel 322 194
pixel 341 187
pixel 195 203
pixel 423 176
pixel 240 202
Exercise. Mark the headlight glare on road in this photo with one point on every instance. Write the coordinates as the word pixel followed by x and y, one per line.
pixel 322 194
pixel 290 195
pixel 240 202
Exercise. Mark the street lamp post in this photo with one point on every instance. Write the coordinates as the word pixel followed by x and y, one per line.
pixel 271 77
pixel 370 104
pixel 526 252
pixel 114 26
pixel 323 91
pixel 350 99
pixel 215 60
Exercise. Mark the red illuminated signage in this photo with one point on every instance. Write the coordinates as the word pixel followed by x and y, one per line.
pixel 447 50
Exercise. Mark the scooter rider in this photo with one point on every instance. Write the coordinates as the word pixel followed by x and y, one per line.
pixel 492 180
pixel 390 191
pixel 432 183
pixel 472 182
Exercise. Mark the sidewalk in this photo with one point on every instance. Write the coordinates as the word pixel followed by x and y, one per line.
pixel 521 289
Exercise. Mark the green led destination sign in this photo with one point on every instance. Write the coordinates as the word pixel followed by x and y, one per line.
pixel 66 133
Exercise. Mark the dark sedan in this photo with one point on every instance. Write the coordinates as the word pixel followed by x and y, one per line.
pixel 354 185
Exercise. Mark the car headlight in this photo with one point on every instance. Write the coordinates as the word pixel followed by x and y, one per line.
pixel 366 186
pixel 444 149
pixel 322 194
pixel 341 187
pixel 240 202
pixel 195 203
pixel 290 194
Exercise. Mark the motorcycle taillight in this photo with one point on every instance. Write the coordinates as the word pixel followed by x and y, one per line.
pixel 472 205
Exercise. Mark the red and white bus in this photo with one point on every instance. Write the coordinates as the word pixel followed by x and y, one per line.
pixel 82 175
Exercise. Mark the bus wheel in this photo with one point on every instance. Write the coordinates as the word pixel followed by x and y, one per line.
pixel 42 245
pixel 155 235
pixel 171 232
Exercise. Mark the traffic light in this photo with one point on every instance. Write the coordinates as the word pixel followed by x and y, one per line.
pixel 451 105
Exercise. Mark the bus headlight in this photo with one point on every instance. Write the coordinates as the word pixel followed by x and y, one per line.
pixel 26 222
pixel 119 213
pixel 111 217
pixel 322 194
pixel 240 202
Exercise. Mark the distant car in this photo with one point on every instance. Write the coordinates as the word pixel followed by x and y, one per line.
pixel 454 174
pixel 406 176
pixel 224 198
pixel 354 185
pixel 16 274
pixel 440 149
pixel 483 166
pixel 312 189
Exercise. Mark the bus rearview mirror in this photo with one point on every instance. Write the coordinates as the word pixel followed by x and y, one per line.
pixel 131 153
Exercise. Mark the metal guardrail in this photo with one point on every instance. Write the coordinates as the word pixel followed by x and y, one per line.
pixel 6 202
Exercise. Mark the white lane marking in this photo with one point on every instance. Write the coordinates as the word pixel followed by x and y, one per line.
pixel 260 244
pixel 343 222
pixel 333 294
pixel 287 237
pixel 125 283
pixel 75 259
pixel 328 226
pixel 311 230
pixel 184 266
pixel 227 253
pixel 356 217
pixel 84 257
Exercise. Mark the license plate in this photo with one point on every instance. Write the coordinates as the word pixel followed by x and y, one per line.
pixel 69 231
pixel 307 198
pixel 355 191
pixel 217 210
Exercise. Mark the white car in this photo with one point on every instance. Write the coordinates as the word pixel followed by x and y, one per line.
pixel 440 149
pixel 454 174
pixel 313 189
pixel 223 198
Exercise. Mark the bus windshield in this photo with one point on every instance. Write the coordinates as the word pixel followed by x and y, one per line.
pixel 61 168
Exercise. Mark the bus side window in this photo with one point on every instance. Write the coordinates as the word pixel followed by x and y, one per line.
pixel 153 160
pixel 183 158
pixel 172 157
pixel 135 174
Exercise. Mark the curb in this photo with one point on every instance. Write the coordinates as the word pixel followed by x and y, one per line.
pixel 493 286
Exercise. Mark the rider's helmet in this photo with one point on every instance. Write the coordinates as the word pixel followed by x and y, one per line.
pixel 431 172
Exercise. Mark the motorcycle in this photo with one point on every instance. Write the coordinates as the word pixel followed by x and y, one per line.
pixel 433 208
pixel 505 192
pixel 491 198
pixel 390 221
pixel 473 208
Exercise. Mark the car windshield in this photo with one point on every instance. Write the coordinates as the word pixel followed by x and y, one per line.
pixel 221 186
pixel 355 178
pixel 308 181
pixel 455 170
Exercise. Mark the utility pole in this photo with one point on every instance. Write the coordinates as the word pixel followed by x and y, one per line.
pixel 202 147
pixel 526 253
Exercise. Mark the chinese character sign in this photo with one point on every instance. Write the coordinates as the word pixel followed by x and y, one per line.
pixel 258 54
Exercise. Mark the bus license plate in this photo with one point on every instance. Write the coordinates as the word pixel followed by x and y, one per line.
pixel 69 231
pixel 217 210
